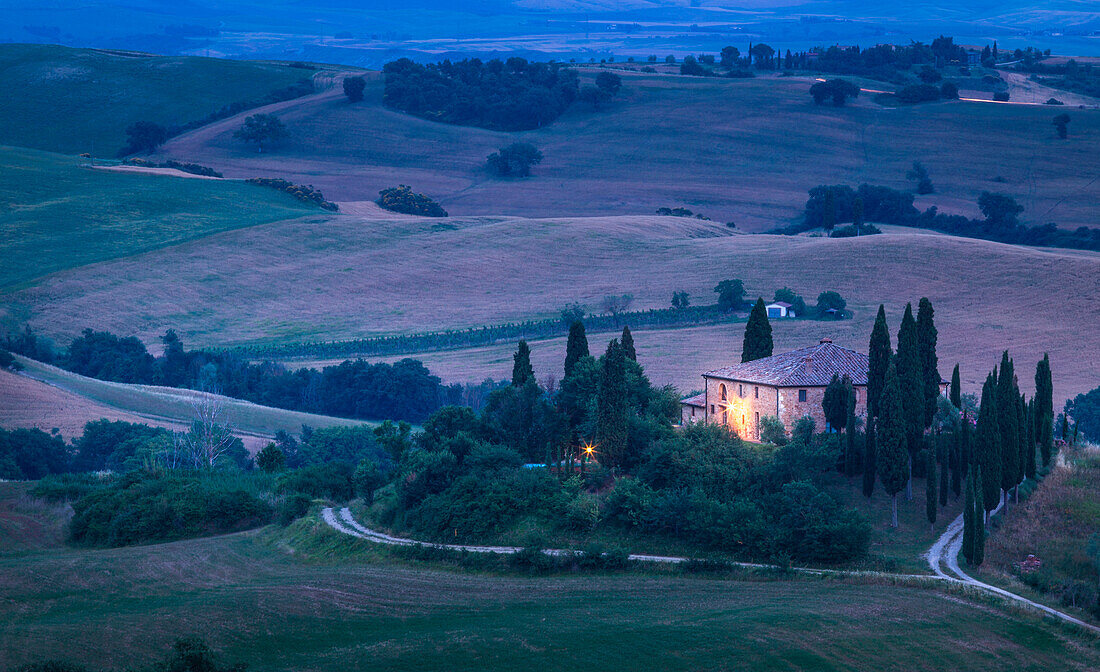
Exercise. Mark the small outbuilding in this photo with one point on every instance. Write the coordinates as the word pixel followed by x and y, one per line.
pixel 779 309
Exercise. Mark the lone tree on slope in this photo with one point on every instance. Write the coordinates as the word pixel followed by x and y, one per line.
pixel 261 129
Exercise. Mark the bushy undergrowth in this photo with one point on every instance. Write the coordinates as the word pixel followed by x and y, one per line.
pixel 306 193
pixel 404 200
pixel 140 508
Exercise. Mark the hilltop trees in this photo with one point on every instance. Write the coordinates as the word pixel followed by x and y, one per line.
pixel 758 334
pixel 836 90
pixel 353 88
pixel 731 294
pixel 261 129
pixel 515 160
pixel 1061 124
pixel 919 174
pixel 404 200
pixel 144 136
pixel 512 95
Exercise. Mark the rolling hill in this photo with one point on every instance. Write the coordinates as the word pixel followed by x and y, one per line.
pixel 58 212
pixel 81 100
pixel 745 151
pixel 343 276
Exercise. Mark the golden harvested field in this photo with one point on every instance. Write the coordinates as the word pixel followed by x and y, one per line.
pixel 348 277
pixel 745 151
pixel 29 403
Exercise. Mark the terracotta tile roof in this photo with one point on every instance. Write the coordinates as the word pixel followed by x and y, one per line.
pixel 699 400
pixel 807 367
pixel 784 304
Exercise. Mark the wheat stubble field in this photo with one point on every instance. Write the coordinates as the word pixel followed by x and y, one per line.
pixel 339 277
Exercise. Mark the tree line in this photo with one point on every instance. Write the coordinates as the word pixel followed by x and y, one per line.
pixel 830 205
pixel 404 390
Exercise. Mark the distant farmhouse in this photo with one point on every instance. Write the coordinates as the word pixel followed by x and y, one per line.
pixel 788 386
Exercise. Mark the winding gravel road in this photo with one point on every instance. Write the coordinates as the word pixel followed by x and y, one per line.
pixel 944 551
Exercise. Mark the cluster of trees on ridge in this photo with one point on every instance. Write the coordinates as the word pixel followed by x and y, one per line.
pixel 512 95
pixel 405 390
pixel 830 205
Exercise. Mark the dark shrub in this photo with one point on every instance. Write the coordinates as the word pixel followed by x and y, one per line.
pixel 322 481
pixel 293 507
pixel 402 199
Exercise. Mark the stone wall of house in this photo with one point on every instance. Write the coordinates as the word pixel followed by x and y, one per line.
pixel 747 403
pixel 690 414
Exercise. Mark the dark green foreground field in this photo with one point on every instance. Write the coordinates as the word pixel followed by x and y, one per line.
pixel 310 599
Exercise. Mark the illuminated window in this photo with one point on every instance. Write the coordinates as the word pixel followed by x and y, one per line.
pixel 802 395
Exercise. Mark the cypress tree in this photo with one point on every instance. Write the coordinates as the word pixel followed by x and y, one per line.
pixel 891 456
pixel 628 345
pixel 1006 414
pixel 979 518
pixel 1044 408
pixel 521 365
pixel 611 410
pixel 931 499
pixel 968 521
pixel 1021 443
pixel 943 452
pixel 957 461
pixel 758 334
pixel 911 383
pixel 956 388
pixel 966 445
pixel 878 354
pixel 869 469
pixel 851 463
pixel 576 347
pixel 926 343
pixel 1030 468
pixel 987 446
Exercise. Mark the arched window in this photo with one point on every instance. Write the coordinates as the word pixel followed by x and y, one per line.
pixel 722 392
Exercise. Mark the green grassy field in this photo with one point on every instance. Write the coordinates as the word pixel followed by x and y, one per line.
pixel 745 151
pixel 314 600
pixel 57 213
pixel 175 405
pixel 81 100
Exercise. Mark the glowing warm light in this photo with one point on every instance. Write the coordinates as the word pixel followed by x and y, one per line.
pixel 588 449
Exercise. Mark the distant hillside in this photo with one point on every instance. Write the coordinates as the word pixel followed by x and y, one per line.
pixel 56 212
pixel 745 151
pixel 354 276
pixel 81 100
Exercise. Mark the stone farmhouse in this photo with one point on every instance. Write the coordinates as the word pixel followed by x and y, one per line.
pixel 788 386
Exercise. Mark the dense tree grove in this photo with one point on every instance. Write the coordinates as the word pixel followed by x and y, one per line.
pixel 404 200
pixel 404 390
pixel 512 95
